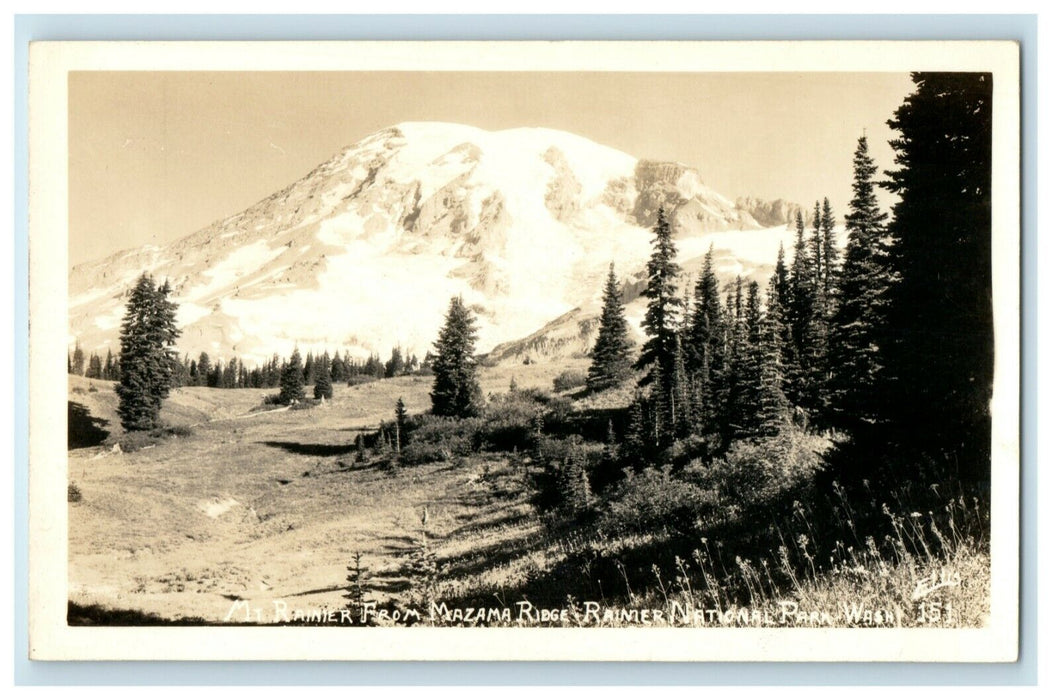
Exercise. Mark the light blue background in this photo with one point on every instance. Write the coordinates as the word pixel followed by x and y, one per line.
pixel 1022 28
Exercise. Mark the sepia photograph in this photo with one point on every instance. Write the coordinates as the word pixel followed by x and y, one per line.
pixel 470 351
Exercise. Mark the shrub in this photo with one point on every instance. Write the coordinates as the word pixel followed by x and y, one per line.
pixel 273 400
pixel 563 484
pixel 654 499
pixel 140 439
pixel 759 472
pixel 73 493
pixel 432 438
pixel 177 431
pixel 569 379
pixel 509 420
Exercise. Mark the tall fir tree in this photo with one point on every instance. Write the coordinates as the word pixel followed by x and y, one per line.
pixel 661 324
pixel 780 283
pixel 456 391
pixel 739 409
pixel 938 344
pixel 611 362
pixel 292 382
pixel 854 354
pixel 829 263
pixel 807 316
pixel 705 348
pixel 816 249
pixel 148 332
pixel 771 405
pixel 799 310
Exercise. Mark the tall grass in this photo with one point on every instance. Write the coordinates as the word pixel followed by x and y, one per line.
pixel 799 549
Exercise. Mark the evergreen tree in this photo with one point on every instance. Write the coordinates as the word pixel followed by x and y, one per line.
pixel 400 417
pixel 828 261
pixel 356 591
pixel 339 372
pixel 95 367
pixel 456 391
pixel 705 349
pixel 780 284
pixel 938 344
pixel 772 410
pixel 859 314
pixel 292 386
pixel 395 365
pixel 633 443
pixel 215 379
pixel 108 367
pixel 79 359
pixel 148 332
pixel 738 419
pixel 229 374
pixel 309 368
pixel 799 313
pixel 660 323
pixel 611 363
pixel 807 315
pixel 204 369
pixel 816 249
pixel 322 388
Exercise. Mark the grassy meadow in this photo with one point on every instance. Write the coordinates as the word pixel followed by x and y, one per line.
pixel 235 503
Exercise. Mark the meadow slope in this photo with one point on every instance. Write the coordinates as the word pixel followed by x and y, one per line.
pixel 264 505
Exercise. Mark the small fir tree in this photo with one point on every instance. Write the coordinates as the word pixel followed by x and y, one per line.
pixel 79 359
pixel 292 389
pixel 322 387
pixel 456 391
pixel 400 415
pixel 611 363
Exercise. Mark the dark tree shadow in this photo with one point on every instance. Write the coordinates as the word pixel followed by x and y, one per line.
pixel 78 615
pixel 83 429
pixel 310 449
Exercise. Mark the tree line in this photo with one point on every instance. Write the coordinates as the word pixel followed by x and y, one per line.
pixel 890 342
pixel 234 373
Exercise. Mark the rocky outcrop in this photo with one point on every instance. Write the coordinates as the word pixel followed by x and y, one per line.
pixel 692 207
pixel 777 212
pixel 564 191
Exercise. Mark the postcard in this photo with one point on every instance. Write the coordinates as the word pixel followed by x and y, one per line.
pixel 675 351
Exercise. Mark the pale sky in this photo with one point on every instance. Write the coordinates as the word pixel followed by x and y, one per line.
pixel 157 156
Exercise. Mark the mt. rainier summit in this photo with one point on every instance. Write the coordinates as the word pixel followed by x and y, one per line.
pixel 365 251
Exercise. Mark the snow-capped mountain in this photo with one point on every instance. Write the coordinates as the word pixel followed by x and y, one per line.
pixel 365 251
